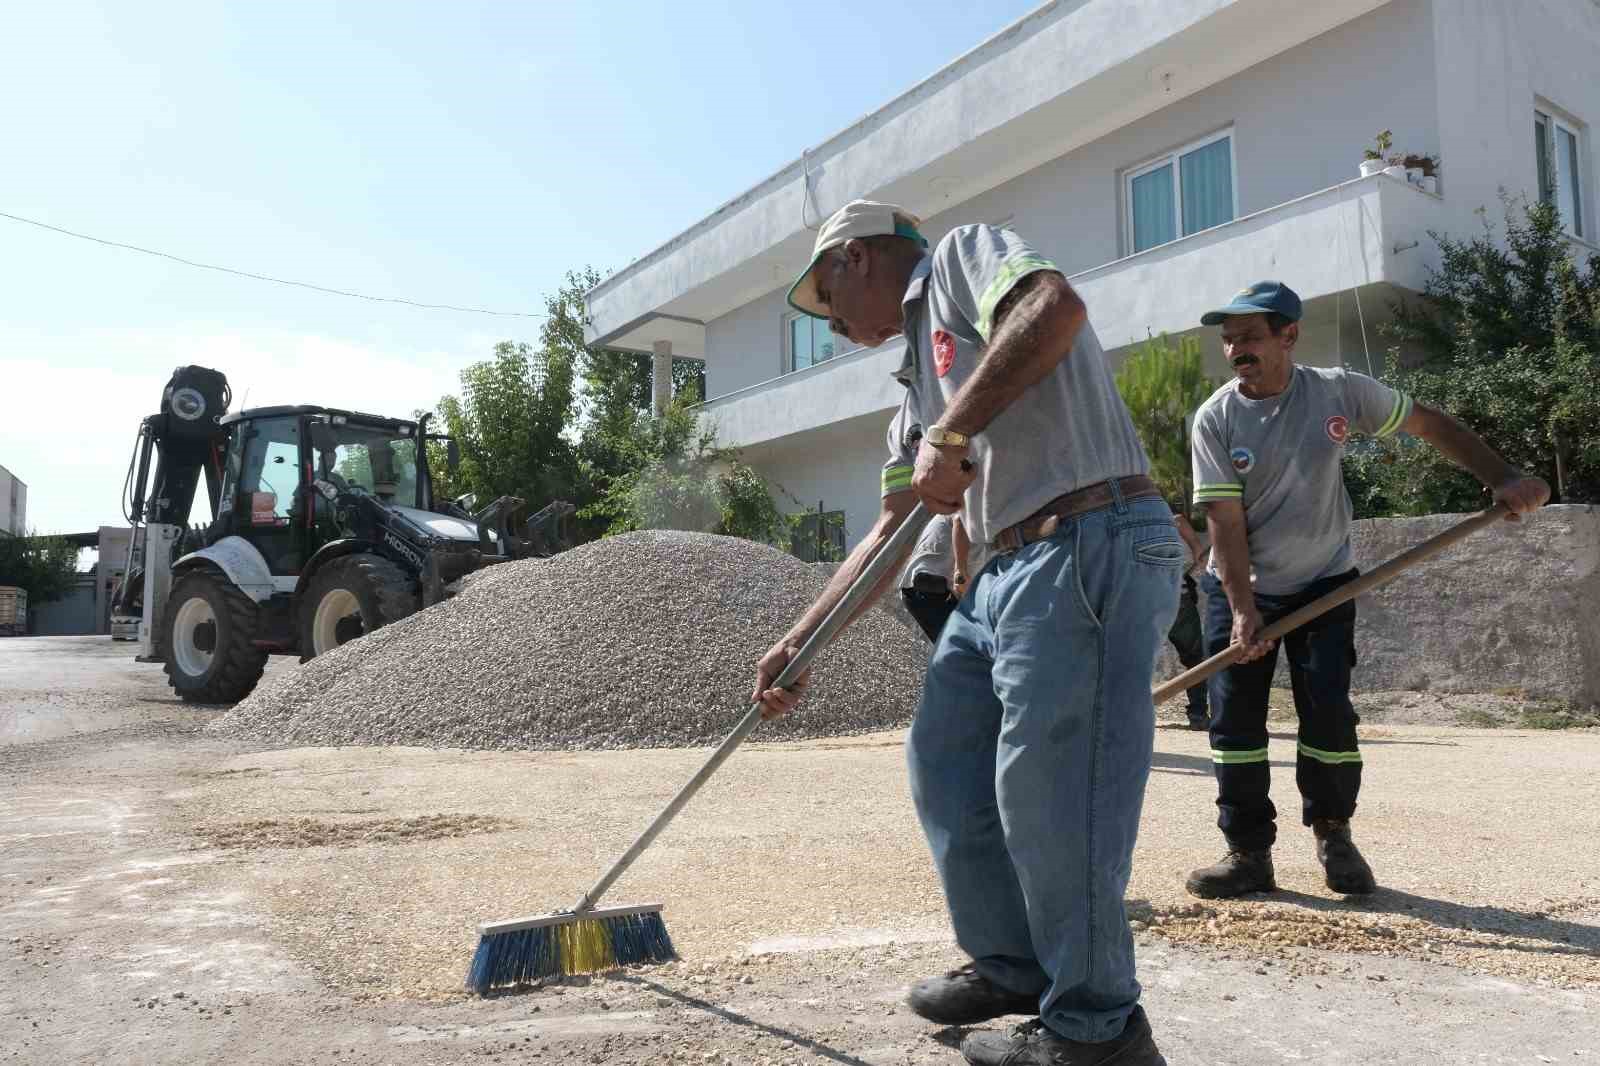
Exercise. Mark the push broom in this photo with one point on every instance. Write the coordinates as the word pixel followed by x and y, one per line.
pixel 588 937
pixel 1343 594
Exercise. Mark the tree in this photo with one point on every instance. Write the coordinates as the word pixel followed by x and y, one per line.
pixel 45 567
pixel 1162 386
pixel 676 477
pixel 1506 337
pixel 512 424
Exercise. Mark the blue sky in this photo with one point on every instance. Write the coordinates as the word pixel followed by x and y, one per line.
pixel 461 153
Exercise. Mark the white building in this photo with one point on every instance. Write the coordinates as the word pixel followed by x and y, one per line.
pixel 1164 153
pixel 13 504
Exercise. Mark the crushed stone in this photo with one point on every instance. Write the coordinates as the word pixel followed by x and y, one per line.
pixel 641 640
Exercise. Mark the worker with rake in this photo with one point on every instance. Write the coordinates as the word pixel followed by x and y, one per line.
pixel 1267 448
pixel 1031 748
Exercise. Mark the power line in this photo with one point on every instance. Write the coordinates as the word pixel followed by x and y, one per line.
pixel 267 277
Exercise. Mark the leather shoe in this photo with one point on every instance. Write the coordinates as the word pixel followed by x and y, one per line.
pixel 1034 1044
pixel 966 997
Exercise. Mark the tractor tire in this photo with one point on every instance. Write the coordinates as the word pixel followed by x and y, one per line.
pixel 349 598
pixel 208 639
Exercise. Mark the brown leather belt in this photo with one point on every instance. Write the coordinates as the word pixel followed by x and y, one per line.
pixel 1047 519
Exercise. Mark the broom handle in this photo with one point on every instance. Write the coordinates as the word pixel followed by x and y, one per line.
pixel 886 558
pixel 1343 594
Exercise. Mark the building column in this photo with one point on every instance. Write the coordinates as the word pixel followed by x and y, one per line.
pixel 661 376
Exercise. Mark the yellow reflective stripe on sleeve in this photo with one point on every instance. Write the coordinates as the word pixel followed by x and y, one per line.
pixel 897 478
pixel 1011 272
pixel 1329 758
pixel 1229 758
pixel 1397 417
pixel 1218 492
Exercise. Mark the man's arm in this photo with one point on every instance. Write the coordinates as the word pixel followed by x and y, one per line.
pixel 1230 545
pixel 1037 323
pixel 777 701
pixel 1521 493
pixel 1191 539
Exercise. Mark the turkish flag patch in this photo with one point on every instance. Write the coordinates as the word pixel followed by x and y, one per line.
pixel 1338 427
pixel 944 352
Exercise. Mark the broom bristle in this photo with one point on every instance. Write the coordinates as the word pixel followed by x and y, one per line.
pixel 528 950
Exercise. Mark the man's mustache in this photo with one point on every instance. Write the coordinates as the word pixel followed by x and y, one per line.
pixel 1244 360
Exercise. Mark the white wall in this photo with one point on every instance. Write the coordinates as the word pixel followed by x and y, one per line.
pixel 1300 121
pixel 1495 58
pixel 840 465
pixel 13 521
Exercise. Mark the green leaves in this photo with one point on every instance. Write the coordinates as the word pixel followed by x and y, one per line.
pixel 1162 386
pixel 562 420
pixel 45 567
pixel 1507 338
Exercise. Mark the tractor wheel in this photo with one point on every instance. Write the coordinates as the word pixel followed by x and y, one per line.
pixel 208 639
pixel 351 597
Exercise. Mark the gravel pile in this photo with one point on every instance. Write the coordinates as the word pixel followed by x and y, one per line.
pixel 636 641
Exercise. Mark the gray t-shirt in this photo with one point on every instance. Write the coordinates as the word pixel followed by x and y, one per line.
pixel 1068 431
pixel 935 552
pixel 1280 457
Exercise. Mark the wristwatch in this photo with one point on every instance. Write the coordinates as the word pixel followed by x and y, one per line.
pixel 938 436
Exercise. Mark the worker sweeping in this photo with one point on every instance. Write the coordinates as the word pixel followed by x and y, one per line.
pixel 1031 747
pixel 1267 448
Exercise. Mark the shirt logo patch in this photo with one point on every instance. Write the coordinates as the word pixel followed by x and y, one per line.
pixel 1338 427
pixel 944 352
pixel 1243 460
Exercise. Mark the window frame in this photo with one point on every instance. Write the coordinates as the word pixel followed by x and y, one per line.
pixel 1173 158
pixel 789 319
pixel 1555 123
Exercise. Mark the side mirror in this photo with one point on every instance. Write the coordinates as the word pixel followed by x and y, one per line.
pixel 452 456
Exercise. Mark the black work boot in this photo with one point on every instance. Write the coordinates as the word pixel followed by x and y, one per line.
pixel 1347 872
pixel 966 997
pixel 1033 1044
pixel 1239 872
pixel 1199 720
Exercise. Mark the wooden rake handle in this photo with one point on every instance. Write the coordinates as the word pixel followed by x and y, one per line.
pixel 1343 594
pixel 888 557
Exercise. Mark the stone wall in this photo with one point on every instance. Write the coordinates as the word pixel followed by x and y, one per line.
pixel 1516 606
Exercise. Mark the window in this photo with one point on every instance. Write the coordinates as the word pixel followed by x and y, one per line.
pixel 1180 193
pixel 1557 152
pixel 809 341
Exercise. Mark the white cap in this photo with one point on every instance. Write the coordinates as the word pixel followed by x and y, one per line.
pixel 858 218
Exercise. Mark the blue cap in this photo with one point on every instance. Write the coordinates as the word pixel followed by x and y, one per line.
pixel 1262 298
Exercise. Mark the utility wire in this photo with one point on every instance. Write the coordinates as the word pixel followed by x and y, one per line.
pixel 266 277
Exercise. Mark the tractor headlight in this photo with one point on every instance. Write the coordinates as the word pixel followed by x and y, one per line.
pixel 188 404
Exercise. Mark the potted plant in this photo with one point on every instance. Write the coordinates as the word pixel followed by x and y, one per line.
pixel 1422 171
pixel 1373 159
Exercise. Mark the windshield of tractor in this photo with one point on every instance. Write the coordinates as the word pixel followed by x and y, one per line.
pixel 370 458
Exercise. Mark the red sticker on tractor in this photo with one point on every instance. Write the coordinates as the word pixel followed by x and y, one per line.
pixel 1338 427
pixel 944 352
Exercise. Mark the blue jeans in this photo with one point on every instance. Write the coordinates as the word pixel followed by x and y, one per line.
pixel 1030 751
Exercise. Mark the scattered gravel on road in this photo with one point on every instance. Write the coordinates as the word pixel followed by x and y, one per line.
pixel 641 640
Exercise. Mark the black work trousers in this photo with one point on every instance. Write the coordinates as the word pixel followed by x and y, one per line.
pixel 1328 762
pixel 931 604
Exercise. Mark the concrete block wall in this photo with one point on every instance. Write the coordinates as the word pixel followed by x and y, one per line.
pixel 1509 608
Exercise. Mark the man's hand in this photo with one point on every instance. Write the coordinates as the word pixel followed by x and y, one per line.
pixel 1246 624
pixel 777 702
pixel 942 476
pixel 1522 494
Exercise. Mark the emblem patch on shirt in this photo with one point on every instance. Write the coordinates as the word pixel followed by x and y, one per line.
pixel 1243 460
pixel 944 352
pixel 1338 427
